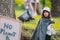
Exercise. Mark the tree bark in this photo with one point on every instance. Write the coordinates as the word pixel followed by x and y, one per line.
pixel 55 8
pixel 7 8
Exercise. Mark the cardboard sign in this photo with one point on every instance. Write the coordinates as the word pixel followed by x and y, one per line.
pixel 10 29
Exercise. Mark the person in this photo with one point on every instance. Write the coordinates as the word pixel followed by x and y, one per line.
pixel 41 29
pixel 26 16
pixel 36 6
pixel 26 4
pixel 29 8
pixel 50 31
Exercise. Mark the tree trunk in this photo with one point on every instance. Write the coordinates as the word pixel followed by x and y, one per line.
pixel 7 8
pixel 55 8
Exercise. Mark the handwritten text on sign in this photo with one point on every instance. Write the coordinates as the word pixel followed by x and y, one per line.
pixel 7 26
pixel 9 30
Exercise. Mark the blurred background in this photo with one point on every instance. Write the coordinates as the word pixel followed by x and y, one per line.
pixel 29 26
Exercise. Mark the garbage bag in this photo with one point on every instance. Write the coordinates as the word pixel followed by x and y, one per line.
pixel 25 16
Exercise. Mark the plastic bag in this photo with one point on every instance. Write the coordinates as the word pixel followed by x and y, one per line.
pixel 25 16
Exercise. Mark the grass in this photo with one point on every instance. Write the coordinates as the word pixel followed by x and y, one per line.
pixel 27 26
pixel 57 23
pixel 18 13
pixel 33 23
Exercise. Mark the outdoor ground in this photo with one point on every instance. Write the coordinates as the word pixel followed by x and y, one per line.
pixel 34 22
pixel 28 27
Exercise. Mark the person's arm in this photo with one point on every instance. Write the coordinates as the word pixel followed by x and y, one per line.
pixel 26 3
pixel 49 27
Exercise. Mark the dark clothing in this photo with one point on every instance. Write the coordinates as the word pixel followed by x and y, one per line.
pixel 48 37
pixel 40 32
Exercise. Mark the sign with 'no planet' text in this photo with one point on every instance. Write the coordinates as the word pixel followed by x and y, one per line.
pixel 10 29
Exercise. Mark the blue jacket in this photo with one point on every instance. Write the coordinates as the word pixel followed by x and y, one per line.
pixel 40 31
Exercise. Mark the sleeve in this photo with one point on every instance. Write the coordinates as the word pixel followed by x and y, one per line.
pixel 53 31
pixel 49 27
pixel 25 3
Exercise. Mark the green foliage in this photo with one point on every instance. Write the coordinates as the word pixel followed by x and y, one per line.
pixel 48 3
pixel 22 7
pixel 19 5
pixel 19 2
pixel 28 27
